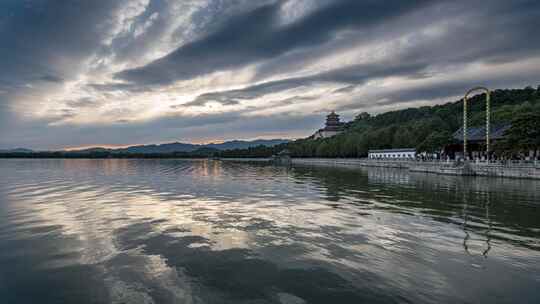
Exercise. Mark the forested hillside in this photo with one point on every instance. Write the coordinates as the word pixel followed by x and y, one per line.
pixel 425 128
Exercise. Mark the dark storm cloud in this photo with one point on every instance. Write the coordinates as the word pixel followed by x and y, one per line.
pixel 353 75
pixel 51 78
pixel 233 97
pixel 43 42
pixel 84 102
pixel 496 33
pixel 255 36
pixel 44 39
pixel 484 38
pixel 112 87
pixel 491 31
pixel 48 44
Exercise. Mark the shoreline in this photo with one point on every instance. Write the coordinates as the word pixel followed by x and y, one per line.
pixel 510 170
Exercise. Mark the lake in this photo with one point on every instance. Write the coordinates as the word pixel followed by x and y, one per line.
pixel 192 231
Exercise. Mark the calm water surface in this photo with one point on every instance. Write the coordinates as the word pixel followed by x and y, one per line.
pixel 174 231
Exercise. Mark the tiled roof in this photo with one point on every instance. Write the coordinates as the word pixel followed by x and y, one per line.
pixel 479 133
pixel 393 150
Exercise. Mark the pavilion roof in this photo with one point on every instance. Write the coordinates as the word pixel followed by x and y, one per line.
pixel 479 133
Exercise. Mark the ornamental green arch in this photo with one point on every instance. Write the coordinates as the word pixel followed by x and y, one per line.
pixel 465 100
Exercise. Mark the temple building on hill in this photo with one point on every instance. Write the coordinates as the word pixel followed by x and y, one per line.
pixel 332 127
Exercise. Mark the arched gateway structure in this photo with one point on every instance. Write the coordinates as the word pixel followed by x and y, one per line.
pixel 465 99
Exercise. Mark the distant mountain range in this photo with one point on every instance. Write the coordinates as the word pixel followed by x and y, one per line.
pixel 183 147
pixel 17 150
pixel 168 148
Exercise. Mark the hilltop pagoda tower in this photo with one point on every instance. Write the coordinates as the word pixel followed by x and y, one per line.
pixel 333 126
pixel 332 122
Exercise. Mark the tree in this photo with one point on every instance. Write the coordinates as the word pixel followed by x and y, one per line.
pixel 362 116
pixel 322 149
pixel 402 138
pixel 524 134
pixel 435 141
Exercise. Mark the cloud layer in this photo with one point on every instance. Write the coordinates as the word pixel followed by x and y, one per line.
pixel 78 73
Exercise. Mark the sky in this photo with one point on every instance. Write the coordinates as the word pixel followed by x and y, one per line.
pixel 116 73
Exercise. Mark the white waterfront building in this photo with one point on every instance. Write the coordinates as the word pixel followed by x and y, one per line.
pixel 408 153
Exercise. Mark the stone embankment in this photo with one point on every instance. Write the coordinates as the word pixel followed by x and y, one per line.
pixel 509 169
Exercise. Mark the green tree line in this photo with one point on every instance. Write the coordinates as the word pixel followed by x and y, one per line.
pixel 427 128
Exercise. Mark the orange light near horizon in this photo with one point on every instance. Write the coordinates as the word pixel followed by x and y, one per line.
pixel 194 142
pixel 96 146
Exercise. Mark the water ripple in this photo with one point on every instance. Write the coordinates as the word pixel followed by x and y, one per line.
pixel 174 231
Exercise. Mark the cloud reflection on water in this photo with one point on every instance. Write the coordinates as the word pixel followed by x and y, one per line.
pixel 169 231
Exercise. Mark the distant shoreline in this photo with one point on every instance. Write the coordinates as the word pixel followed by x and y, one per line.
pixel 68 155
pixel 529 171
pixel 104 157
